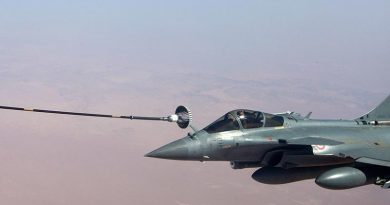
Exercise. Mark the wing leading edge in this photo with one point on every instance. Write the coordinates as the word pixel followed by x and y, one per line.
pixel 374 155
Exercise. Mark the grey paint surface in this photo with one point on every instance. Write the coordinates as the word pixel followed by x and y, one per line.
pixel 294 142
pixel 344 138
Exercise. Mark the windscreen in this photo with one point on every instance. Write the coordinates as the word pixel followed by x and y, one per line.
pixel 225 123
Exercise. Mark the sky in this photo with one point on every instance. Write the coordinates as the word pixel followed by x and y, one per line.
pixel 147 57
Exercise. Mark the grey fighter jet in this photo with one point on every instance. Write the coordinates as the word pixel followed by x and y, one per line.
pixel 287 147
pixel 340 154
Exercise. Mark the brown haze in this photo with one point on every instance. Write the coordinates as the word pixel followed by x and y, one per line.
pixel 145 59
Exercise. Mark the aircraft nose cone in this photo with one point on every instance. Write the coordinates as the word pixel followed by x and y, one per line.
pixel 175 150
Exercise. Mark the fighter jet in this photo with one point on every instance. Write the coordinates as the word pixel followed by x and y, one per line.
pixel 286 147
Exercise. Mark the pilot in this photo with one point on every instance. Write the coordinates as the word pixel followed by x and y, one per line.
pixel 228 122
pixel 241 115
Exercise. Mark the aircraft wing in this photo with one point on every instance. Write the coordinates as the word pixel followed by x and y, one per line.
pixel 363 153
pixel 375 154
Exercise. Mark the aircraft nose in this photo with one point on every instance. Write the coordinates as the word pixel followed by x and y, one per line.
pixel 178 150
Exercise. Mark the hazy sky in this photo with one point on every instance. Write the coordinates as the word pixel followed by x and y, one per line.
pixel 147 57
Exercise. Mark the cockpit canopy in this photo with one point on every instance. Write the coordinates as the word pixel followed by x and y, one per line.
pixel 244 119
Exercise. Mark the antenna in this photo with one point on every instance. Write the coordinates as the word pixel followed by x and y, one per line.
pixel 182 116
